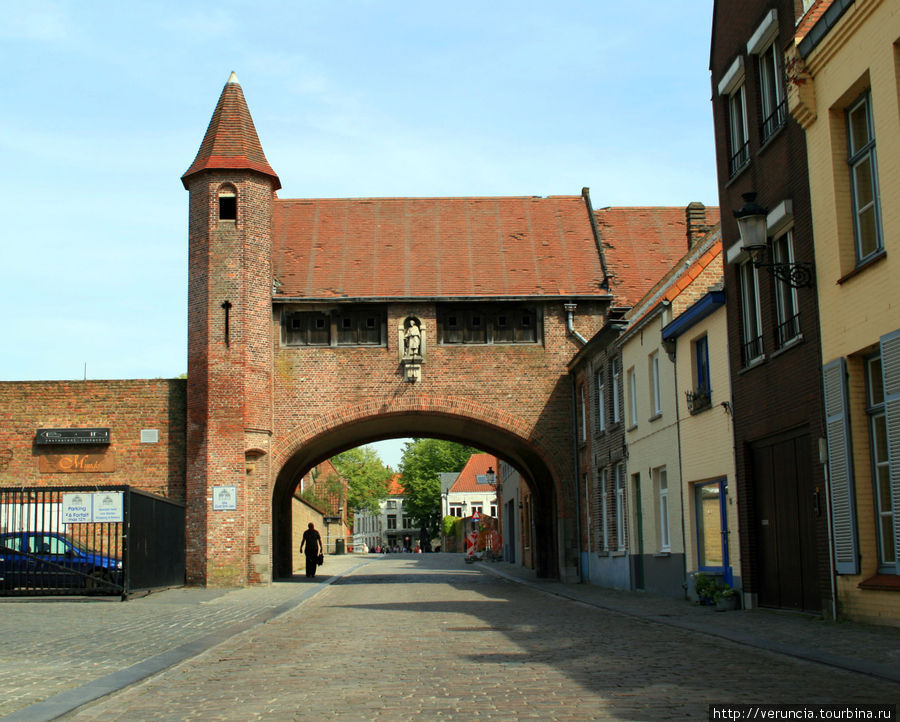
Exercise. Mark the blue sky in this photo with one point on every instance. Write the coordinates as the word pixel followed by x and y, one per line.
pixel 105 104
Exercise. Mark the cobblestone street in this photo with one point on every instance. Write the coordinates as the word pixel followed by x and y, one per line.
pixel 419 637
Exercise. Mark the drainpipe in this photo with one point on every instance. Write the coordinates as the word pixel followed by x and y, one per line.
pixel 577 471
pixel 570 323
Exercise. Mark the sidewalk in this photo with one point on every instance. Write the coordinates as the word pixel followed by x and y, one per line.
pixel 60 653
pixel 865 648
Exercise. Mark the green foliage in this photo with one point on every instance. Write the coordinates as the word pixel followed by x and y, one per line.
pixel 450 525
pixel 368 479
pixel 423 460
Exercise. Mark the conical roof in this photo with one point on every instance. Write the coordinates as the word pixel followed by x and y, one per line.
pixel 231 141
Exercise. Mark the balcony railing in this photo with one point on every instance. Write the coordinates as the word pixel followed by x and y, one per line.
pixel 775 120
pixel 698 400
pixel 751 350
pixel 739 159
pixel 788 330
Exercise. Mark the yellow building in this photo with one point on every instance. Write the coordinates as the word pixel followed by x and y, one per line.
pixel 843 79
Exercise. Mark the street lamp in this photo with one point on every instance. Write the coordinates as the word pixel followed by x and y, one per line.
pixel 752 225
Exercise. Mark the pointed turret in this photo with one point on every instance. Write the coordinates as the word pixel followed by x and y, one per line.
pixel 231 141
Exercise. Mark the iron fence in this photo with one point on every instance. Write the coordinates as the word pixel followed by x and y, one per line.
pixel 88 540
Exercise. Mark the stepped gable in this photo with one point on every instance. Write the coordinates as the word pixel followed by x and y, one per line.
pixel 371 248
pixel 467 480
pixel 231 141
pixel 641 244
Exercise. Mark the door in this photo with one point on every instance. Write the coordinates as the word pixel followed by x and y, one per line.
pixel 785 513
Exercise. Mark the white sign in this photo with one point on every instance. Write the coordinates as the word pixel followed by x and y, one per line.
pixel 77 508
pixel 109 506
pixel 224 498
pixel 85 507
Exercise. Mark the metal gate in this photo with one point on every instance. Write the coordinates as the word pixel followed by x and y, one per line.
pixel 88 540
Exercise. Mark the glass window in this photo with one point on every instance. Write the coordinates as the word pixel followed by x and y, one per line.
pixel 700 397
pixel 500 324
pixel 614 390
pixel 864 179
pixel 632 398
pixel 708 500
pixel 601 400
pixel 392 521
pixel 881 482
pixel 655 395
pixel 737 132
pixel 604 508
pixel 662 488
pixel 774 105
pixel 620 506
pixel 787 307
pixel 751 328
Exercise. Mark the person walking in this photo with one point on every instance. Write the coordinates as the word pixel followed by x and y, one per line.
pixel 312 540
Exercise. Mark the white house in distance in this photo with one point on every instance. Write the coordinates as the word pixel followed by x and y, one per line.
pixel 390 526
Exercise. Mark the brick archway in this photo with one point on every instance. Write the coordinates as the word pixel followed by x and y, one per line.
pixel 454 419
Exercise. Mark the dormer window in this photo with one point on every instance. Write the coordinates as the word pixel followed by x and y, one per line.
pixel 227 203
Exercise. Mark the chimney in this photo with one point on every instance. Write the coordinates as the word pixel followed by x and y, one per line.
pixel 697 227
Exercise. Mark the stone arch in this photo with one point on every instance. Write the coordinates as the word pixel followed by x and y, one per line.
pixel 455 419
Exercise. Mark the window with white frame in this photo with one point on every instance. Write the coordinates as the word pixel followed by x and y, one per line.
pixel 864 179
pixel 614 390
pixel 604 508
pixel 772 95
pixel 787 305
pixel 751 326
pixel 632 398
pixel 661 482
pixel 392 521
pixel 881 481
pixel 655 394
pixel 620 506
pixel 456 510
pixel 601 400
pixel 738 140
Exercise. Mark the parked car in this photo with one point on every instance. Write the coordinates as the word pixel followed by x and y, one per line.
pixel 50 560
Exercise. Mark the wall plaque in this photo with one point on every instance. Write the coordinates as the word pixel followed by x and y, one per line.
pixel 90 462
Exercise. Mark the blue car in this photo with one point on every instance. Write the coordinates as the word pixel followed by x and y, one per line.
pixel 48 560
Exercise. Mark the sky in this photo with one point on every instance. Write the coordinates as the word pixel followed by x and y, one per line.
pixel 104 106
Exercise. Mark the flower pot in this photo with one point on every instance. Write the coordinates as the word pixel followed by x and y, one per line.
pixel 725 604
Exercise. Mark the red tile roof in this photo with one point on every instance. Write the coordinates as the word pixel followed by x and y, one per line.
pixel 641 244
pixel 395 488
pixel 810 18
pixel 435 248
pixel 231 140
pixel 477 464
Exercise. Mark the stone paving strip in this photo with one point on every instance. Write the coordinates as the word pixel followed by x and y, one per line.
pixel 59 653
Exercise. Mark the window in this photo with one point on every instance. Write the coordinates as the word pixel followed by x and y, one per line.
pixel 456 510
pixel 632 398
pixel 494 324
pixel 616 396
pixel 583 412
pixel 787 307
pixel 391 504
pixel 655 396
pixel 405 522
pixel 477 509
pixel 601 400
pixel 881 480
pixel 709 500
pixel 337 327
pixel 774 103
pixel 604 509
pixel 863 179
pixel 494 510
pixel 700 397
pixel 227 203
pixel 662 487
pixel 739 144
pixel 392 521
pixel 751 329
pixel 620 505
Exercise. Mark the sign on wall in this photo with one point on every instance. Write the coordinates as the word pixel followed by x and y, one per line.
pixel 224 498
pixel 92 462
pixel 45 437
pixel 87 508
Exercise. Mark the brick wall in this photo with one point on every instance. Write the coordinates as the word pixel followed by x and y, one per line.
pixel 125 407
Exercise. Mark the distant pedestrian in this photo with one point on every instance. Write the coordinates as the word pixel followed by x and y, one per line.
pixel 313 543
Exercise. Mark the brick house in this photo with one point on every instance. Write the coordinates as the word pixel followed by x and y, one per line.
pixel 772 310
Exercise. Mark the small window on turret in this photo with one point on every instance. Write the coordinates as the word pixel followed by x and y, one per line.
pixel 227 203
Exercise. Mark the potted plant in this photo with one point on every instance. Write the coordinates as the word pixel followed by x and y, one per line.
pixel 705 586
pixel 726 598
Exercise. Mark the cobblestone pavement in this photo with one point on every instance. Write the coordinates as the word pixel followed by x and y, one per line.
pixel 416 637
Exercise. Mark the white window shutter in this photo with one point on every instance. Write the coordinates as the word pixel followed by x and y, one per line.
pixel 890 365
pixel 840 468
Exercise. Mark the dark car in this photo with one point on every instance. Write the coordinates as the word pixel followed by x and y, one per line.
pixel 49 560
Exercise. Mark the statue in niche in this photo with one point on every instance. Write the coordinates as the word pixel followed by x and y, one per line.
pixel 411 344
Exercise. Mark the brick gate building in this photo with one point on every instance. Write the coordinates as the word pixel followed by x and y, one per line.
pixel 316 325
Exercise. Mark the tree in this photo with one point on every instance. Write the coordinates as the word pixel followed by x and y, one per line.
pixel 368 479
pixel 423 460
